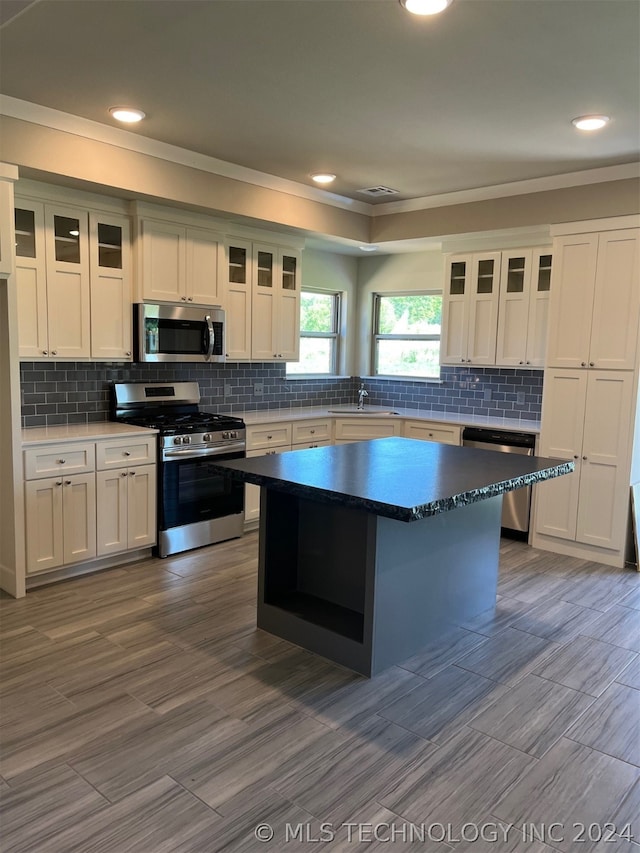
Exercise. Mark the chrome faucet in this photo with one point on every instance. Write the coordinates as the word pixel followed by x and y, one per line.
pixel 361 395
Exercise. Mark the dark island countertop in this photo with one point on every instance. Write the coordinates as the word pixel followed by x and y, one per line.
pixel 399 478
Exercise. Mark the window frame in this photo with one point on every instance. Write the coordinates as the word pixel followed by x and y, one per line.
pixel 335 336
pixel 378 336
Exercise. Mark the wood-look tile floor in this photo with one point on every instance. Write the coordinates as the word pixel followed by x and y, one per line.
pixel 142 712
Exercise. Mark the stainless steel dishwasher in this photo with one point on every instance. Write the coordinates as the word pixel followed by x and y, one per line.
pixel 516 505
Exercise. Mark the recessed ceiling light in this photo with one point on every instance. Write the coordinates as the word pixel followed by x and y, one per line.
pixel 368 248
pixel 425 7
pixel 590 122
pixel 323 177
pixel 130 115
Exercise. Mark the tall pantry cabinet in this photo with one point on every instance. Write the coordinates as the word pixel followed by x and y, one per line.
pixel 591 389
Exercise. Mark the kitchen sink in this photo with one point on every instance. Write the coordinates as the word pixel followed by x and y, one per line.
pixel 368 410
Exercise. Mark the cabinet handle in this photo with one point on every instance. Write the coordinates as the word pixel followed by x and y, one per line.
pixel 132 473
pixel 184 298
pixel 45 352
pixel 269 437
pixel 62 461
pixel 127 453
pixel 58 482
pixel 312 431
pixel 123 474
pixel 462 360
pixel 67 482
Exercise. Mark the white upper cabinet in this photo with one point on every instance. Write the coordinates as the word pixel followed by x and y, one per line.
pixel 31 279
pixel 523 309
pixel 237 299
pixel 595 301
pixel 470 309
pixel 178 263
pixel 110 277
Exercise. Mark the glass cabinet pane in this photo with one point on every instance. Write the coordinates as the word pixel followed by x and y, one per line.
pixel 485 276
pixel 289 266
pixel 237 265
pixel 265 269
pixel 25 233
pixel 109 246
pixel 67 239
pixel 544 273
pixel 458 278
pixel 515 275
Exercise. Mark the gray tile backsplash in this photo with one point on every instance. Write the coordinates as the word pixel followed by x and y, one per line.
pixel 78 392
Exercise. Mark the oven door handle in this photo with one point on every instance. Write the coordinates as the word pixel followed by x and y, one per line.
pixel 212 335
pixel 202 452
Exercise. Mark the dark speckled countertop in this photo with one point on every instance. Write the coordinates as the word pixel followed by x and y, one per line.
pixel 400 478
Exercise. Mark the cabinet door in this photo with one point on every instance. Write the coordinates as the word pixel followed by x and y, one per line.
pixel 426 431
pixel 288 347
pixel 539 293
pixel 111 302
pixel 604 492
pixel 561 438
pixel 264 324
pixel 68 290
pixel 513 310
pixel 111 509
pixel 237 300
pixel 251 492
pixel 31 282
pixel 141 506
pixel 455 315
pixel 483 309
pixel 79 517
pixel 572 291
pixel 163 261
pixel 203 262
pixel 616 305
pixel 43 505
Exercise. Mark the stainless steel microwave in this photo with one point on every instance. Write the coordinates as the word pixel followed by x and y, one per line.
pixel 179 332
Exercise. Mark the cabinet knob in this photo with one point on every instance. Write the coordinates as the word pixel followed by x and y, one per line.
pixel 132 473
pixel 462 360
pixel 584 458
pixel 190 299
pixel 592 364
pixel 128 352
pixel 127 453
pixel 583 364
pixel 45 352
pixel 184 298
pixel 575 456
pixel 123 474
pixel 269 437
pixel 312 431
pixel 67 482
pixel 62 461
pixel 58 482
pixel 54 352
pixel 521 362
pixel 528 362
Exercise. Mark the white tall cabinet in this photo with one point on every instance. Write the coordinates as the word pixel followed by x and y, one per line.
pixel 591 390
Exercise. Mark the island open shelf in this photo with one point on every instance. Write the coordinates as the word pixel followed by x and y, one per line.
pixel 371 550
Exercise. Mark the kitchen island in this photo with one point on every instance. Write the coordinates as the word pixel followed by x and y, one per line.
pixel 370 550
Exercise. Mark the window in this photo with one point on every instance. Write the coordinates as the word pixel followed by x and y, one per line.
pixel 319 324
pixel 406 335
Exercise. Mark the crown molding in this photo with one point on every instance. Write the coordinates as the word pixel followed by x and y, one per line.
pixel 534 185
pixel 130 141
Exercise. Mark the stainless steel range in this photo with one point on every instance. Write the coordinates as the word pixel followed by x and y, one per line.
pixel 196 504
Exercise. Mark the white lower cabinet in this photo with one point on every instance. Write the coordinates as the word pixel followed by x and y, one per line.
pixel 251 492
pixel 587 418
pixel 364 428
pixel 429 431
pixel 75 513
pixel 60 521
pixel 263 440
pixel 126 508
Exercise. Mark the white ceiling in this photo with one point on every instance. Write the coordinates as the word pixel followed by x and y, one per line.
pixel 479 96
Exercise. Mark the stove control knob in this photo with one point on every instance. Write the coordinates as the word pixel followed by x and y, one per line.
pixel 233 434
pixel 177 440
pixel 225 434
pixel 186 439
pixel 206 437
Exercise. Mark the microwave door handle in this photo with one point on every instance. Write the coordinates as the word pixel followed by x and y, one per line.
pixel 212 335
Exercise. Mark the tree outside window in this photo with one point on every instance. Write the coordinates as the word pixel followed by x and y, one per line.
pixel 406 340
pixel 319 324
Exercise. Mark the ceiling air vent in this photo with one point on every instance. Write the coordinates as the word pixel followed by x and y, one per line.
pixel 378 192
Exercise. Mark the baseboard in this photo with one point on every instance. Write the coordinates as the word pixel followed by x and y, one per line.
pixel 88 567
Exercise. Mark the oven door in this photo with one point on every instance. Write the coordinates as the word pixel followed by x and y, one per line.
pixel 192 489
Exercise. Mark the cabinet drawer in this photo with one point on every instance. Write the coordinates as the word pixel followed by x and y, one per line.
pixel 251 454
pixel 58 459
pixel 432 432
pixel 124 452
pixel 302 444
pixel 311 431
pixel 365 428
pixel 274 435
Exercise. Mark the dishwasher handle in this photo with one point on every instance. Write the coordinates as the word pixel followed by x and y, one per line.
pixel 496 436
